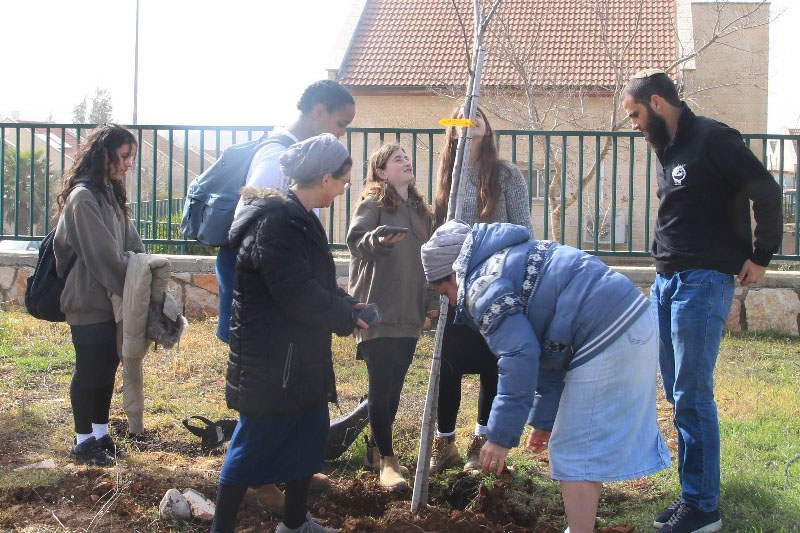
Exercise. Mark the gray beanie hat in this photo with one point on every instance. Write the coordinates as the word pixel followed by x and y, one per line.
pixel 309 160
pixel 442 249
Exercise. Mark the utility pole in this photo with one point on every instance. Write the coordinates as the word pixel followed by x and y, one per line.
pixel 136 68
pixel 455 207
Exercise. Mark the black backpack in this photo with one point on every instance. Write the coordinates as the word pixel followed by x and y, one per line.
pixel 43 288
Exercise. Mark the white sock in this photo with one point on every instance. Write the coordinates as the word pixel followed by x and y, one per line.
pixel 80 438
pixel 99 430
pixel 440 434
pixel 481 430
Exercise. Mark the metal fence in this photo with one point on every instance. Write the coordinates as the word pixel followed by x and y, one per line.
pixel 594 190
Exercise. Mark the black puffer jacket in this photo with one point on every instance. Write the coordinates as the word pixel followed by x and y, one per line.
pixel 286 304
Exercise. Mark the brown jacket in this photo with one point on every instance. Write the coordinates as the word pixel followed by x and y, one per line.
pixel 390 276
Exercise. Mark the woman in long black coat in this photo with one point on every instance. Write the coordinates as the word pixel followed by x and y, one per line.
pixel 286 304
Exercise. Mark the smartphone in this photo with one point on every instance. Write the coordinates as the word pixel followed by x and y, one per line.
pixel 370 314
pixel 390 230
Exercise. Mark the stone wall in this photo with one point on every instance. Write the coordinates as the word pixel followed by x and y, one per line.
pixel 773 305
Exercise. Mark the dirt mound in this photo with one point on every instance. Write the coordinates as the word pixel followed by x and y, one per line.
pixel 86 498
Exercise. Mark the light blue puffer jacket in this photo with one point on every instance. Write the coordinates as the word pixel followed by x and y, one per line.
pixel 544 309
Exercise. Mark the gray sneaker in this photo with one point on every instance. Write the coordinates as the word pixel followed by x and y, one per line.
pixel 309 526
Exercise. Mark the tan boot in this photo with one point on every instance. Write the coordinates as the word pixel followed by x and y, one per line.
pixel 319 483
pixel 372 460
pixel 390 475
pixel 269 497
pixel 444 454
pixel 473 463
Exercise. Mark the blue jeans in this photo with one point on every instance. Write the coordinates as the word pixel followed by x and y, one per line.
pixel 692 306
pixel 226 270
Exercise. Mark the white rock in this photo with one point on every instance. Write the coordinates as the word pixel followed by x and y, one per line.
pixel 47 464
pixel 202 508
pixel 174 505
pixel 772 310
pixel 6 277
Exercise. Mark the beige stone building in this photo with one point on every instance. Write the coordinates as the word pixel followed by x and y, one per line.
pixel 552 65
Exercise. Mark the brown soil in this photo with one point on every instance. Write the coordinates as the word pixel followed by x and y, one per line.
pixel 125 499
pixel 103 499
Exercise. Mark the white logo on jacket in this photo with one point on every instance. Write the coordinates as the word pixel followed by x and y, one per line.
pixel 678 174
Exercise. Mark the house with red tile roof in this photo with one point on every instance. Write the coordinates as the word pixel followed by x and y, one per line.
pixel 553 65
pixel 405 60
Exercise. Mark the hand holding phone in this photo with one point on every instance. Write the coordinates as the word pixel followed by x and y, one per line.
pixel 370 315
pixel 383 231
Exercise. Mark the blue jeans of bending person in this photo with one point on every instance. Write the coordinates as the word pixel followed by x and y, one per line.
pixel 692 306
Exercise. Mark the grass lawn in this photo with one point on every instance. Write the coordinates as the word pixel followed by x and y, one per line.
pixel 757 388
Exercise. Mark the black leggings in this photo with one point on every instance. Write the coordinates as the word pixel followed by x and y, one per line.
pixel 464 351
pixel 92 385
pixel 388 359
pixel 229 499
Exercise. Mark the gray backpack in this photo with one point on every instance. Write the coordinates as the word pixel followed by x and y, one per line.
pixel 211 198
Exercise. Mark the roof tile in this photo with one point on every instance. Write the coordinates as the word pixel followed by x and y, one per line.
pixel 401 43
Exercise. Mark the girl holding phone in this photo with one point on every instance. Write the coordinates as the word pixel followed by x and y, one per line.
pixel 389 226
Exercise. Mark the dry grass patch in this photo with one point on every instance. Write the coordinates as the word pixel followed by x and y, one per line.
pixel 757 390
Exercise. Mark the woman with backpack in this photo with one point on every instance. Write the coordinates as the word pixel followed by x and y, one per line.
pixel 389 226
pixel 286 304
pixel 94 228
pixel 495 191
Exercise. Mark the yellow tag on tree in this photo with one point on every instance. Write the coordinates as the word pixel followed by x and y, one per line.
pixel 462 122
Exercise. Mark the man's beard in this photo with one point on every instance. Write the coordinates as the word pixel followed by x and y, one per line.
pixel 656 131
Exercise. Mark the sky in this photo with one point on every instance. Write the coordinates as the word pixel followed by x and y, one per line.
pixel 238 62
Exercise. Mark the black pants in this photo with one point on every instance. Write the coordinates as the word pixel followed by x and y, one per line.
pixel 464 351
pixel 92 385
pixel 388 359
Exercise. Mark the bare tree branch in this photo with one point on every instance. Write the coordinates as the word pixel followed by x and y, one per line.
pixel 464 33
pixel 744 21
pixel 491 12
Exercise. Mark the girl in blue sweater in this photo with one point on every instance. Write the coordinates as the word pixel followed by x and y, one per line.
pixel 577 351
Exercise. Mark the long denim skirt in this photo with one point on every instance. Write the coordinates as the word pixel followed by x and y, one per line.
pixel 605 429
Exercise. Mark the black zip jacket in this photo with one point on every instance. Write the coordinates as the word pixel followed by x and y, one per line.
pixel 286 304
pixel 706 177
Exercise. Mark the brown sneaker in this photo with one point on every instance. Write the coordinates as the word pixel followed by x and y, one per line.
pixel 473 463
pixel 444 454
pixel 270 497
pixel 390 476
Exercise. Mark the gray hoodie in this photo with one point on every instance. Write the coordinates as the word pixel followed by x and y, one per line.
pixel 92 226
pixel 390 276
